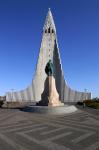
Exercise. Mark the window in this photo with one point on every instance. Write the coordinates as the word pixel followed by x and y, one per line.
pixel 45 30
pixel 48 30
pixel 52 31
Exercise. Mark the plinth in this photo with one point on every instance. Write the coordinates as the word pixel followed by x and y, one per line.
pixel 50 96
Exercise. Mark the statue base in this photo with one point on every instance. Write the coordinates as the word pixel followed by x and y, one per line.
pixel 58 110
pixel 50 96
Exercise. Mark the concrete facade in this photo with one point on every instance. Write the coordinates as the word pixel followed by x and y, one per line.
pixel 49 50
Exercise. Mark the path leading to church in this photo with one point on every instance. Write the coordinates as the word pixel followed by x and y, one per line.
pixel 27 131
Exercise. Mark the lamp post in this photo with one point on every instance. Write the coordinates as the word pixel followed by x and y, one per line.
pixel 85 93
pixel 12 94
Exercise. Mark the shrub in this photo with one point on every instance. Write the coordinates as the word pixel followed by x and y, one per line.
pixel 79 103
pixel 92 103
pixel 1 103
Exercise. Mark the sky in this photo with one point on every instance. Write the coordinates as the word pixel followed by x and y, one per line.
pixel 21 26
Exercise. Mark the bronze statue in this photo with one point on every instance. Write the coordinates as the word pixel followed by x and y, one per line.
pixel 49 69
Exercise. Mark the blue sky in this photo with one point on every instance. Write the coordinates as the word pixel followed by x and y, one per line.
pixel 77 24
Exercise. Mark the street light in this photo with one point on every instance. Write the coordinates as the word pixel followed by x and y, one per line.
pixel 85 93
pixel 12 94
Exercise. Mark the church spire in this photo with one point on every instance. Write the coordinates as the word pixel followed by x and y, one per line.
pixel 49 22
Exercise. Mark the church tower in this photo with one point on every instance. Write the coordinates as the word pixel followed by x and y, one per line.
pixel 49 50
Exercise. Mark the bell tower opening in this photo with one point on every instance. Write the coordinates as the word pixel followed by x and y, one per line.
pixel 45 30
pixel 49 30
pixel 52 31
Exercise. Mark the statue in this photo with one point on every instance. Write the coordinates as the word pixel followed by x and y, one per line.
pixel 49 69
pixel 50 96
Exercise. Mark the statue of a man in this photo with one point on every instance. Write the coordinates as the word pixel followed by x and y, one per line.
pixel 49 69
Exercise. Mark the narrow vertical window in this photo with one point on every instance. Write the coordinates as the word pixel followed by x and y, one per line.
pixel 52 31
pixel 45 30
pixel 48 30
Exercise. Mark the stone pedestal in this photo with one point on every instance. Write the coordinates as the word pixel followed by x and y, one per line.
pixel 50 96
pixel 53 94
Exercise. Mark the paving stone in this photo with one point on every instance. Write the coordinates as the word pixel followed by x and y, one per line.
pixel 31 131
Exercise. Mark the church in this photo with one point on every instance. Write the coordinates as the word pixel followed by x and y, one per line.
pixel 49 50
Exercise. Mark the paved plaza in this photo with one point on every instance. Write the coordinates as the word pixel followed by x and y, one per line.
pixel 28 131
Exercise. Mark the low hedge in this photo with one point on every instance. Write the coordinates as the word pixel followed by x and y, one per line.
pixel 92 103
pixel 1 103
